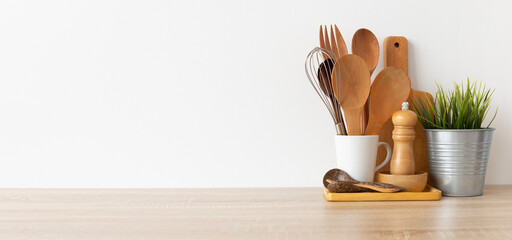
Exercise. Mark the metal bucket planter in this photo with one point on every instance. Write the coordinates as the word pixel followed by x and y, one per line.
pixel 458 160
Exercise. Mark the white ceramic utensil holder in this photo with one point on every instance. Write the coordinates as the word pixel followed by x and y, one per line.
pixel 357 155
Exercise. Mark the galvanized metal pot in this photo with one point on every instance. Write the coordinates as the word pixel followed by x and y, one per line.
pixel 458 160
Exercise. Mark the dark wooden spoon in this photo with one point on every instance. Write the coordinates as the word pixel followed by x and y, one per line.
pixel 348 184
pixel 336 174
pixel 344 187
pixel 324 77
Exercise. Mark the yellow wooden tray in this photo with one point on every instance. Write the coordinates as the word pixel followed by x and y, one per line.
pixel 429 194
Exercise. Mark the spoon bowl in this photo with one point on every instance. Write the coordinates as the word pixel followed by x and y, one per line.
pixel 366 45
pixel 389 90
pixel 324 76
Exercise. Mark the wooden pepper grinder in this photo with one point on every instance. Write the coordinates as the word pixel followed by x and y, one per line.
pixel 402 162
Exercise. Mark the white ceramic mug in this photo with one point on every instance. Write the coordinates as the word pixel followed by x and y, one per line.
pixel 357 155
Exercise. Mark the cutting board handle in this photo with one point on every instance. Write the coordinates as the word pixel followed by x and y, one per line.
pixel 395 53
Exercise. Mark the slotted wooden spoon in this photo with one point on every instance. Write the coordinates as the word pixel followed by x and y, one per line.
pixel 351 85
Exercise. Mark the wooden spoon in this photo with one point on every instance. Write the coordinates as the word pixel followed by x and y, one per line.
pixel 324 76
pixel 336 174
pixel 389 90
pixel 344 187
pixel 324 79
pixel 351 85
pixel 366 45
pixel 337 180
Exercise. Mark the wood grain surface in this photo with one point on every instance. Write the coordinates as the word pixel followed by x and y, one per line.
pixel 291 213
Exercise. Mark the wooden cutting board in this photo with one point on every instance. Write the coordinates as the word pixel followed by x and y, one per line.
pixel 396 54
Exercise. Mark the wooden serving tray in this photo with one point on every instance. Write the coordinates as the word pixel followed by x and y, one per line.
pixel 429 194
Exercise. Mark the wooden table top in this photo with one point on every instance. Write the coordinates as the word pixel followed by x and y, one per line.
pixel 275 213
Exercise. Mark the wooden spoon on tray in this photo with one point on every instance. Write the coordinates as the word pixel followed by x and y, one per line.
pixel 351 85
pixel 338 181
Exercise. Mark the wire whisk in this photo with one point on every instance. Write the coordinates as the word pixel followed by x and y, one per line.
pixel 319 65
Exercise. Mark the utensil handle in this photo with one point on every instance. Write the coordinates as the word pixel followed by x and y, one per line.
pixel 388 155
pixel 396 53
pixel 353 118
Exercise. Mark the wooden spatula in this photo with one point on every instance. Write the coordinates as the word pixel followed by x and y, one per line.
pixel 389 90
pixel 396 54
pixel 351 85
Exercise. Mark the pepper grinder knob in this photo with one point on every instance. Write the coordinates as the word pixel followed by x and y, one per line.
pixel 405 106
pixel 402 161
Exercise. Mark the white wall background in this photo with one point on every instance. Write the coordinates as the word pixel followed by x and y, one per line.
pixel 211 94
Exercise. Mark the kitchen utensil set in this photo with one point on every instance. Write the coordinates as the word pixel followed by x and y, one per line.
pixel 360 107
pixel 343 82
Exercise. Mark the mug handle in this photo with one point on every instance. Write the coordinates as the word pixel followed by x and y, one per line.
pixel 388 155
